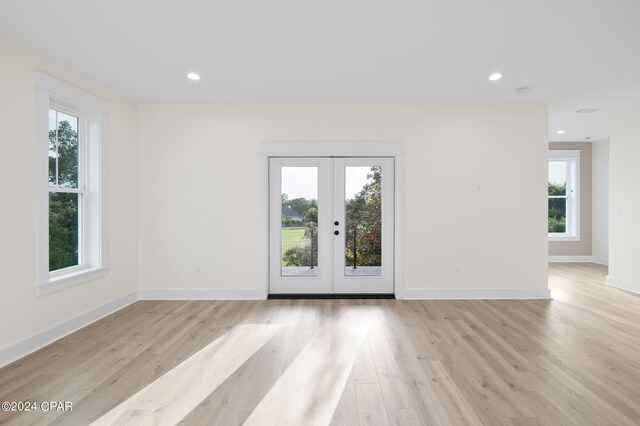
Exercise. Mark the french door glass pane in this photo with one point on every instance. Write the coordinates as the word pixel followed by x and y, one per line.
pixel 557 178
pixel 557 215
pixel 63 150
pixel 63 230
pixel 363 221
pixel 299 215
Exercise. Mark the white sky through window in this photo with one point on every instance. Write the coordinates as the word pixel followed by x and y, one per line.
pixel 354 179
pixel 73 121
pixel 302 182
pixel 557 172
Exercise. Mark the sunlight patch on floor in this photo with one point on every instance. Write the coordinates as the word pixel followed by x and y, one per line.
pixel 309 390
pixel 559 294
pixel 167 400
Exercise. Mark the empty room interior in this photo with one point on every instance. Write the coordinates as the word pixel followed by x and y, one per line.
pixel 348 212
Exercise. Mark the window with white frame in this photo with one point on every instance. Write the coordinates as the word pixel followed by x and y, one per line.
pixel 66 191
pixel 71 144
pixel 564 195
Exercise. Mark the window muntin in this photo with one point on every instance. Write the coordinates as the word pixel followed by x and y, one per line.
pixel 563 195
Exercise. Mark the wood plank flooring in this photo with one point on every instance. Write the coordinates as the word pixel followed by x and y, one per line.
pixel 572 360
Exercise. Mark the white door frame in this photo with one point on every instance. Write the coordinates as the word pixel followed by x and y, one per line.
pixel 334 149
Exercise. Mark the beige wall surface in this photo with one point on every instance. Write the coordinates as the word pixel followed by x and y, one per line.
pixel 22 313
pixel 624 201
pixel 600 202
pixel 582 247
pixel 199 177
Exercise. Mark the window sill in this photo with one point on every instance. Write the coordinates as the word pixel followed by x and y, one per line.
pixel 70 280
pixel 563 238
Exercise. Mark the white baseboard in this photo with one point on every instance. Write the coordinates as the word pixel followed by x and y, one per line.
pixel 475 293
pixel 600 260
pixel 15 351
pixel 579 259
pixel 200 294
pixel 409 294
pixel 623 284
pixel 571 259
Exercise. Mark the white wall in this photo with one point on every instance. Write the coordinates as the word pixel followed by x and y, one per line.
pixel 183 190
pixel 624 202
pixel 600 201
pixel 200 180
pixel 22 313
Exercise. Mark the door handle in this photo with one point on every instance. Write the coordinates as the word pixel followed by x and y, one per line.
pixel 336 232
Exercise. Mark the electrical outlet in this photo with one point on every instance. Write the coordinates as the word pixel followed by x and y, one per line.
pixel 458 269
pixel 198 269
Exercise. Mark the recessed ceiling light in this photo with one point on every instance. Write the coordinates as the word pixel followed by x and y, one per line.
pixel 587 137
pixel 193 76
pixel 587 110
pixel 523 90
pixel 495 76
pixel 560 132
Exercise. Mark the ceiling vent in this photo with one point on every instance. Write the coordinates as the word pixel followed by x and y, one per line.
pixel 587 110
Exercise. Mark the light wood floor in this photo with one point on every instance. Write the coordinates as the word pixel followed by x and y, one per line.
pixel 573 360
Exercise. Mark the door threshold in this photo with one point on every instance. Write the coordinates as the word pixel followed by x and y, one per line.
pixel 331 296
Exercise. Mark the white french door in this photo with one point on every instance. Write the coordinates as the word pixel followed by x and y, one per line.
pixel 299 256
pixel 331 225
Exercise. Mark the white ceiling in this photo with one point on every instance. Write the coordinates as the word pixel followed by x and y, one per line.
pixel 572 53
